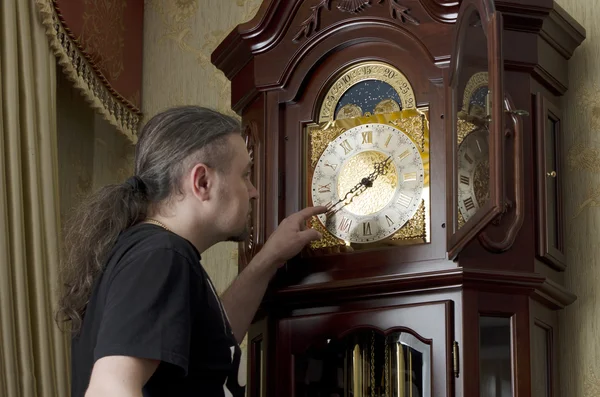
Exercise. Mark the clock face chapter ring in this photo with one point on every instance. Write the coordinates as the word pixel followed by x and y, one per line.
pixel 371 177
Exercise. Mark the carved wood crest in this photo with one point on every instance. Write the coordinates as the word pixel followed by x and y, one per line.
pixel 311 24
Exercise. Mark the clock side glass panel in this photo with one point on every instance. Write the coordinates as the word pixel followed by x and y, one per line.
pixel 472 104
pixel 367 158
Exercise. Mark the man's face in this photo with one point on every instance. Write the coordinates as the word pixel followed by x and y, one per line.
pixel 235 190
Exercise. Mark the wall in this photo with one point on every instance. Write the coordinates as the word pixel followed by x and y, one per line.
pixel 579 356
pixel 91 152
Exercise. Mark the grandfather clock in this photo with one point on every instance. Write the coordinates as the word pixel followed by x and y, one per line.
pixel 431 129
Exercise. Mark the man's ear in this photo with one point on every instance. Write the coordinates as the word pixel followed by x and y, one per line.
pixel 203 179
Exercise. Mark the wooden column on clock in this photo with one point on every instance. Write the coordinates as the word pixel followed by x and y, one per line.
pixel 432 128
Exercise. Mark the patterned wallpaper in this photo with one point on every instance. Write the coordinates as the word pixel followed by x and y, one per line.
pixel 179 37
pixel 579 354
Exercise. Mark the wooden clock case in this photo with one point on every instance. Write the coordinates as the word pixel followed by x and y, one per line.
pixel 280 64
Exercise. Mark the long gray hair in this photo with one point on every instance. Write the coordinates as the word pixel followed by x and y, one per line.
pixel 168 145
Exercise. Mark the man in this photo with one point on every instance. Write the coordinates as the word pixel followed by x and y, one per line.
pixel 145 315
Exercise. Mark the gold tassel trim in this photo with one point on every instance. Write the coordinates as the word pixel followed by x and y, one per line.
pixel 95 88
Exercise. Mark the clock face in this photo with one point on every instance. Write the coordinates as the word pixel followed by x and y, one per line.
pixel 473 173
pixel 371 177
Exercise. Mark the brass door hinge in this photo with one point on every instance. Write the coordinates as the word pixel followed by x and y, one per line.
pixel 455 359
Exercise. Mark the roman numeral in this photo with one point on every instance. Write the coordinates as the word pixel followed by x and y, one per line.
pixel 387 141
pixel 404 200
pixel 410 176
pixel 367 229
pixel 332 166
pixel 469 159
pixel 325 188
pixel 404 155
pixel 478 145
pixel 346 146
pixel 367 137
pixel 469 204
pixel 389 220
pixel 345 225
pixel 464 179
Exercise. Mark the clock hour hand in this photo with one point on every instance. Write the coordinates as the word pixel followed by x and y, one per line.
pixel 359 188
pixel 380 169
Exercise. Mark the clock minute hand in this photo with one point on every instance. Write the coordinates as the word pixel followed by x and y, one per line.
pixel 359 188
pixel 330 209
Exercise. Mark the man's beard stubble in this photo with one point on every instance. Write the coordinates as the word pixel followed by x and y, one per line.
pixel 240 237
pixel 243 236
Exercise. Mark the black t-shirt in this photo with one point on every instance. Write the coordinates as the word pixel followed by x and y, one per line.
pixel 154 300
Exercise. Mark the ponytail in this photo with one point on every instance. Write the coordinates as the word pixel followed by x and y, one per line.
pixel 90 235
pixel 167 144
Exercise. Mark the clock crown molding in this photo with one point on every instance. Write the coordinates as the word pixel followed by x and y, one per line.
pixel 277 23
pixel 276 18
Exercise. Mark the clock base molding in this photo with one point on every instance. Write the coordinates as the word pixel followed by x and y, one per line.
pixel 332 292
pixel 433 134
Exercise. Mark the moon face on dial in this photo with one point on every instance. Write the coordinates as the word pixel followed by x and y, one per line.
pixel 372 205
pixel 473 173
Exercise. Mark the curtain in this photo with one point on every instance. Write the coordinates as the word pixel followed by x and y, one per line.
pixel 98 44
pixel 33 351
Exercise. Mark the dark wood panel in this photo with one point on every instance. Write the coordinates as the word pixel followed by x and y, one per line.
pixel 549 196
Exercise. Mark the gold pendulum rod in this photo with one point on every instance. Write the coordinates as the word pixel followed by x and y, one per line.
pixel 410 373
pixel 400 376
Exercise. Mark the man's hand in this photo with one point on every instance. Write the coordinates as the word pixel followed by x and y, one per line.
pixel 243 296
pixel 290 237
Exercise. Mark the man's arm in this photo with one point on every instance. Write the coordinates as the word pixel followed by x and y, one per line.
pixel 242 298
pixel 120 376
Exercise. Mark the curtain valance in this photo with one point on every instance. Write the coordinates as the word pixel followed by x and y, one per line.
pixel 98 43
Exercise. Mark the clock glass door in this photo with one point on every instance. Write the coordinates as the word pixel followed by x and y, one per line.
pixel 476 109
pixel 366 363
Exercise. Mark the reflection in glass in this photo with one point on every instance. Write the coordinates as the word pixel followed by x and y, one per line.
pixel 472 103
pixel 257 376
pixel 366 364
pixel 409 366
pixel 495 357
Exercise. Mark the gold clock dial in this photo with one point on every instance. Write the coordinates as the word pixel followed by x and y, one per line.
pixel 369 93
pixel 371 177
pixel 376 197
